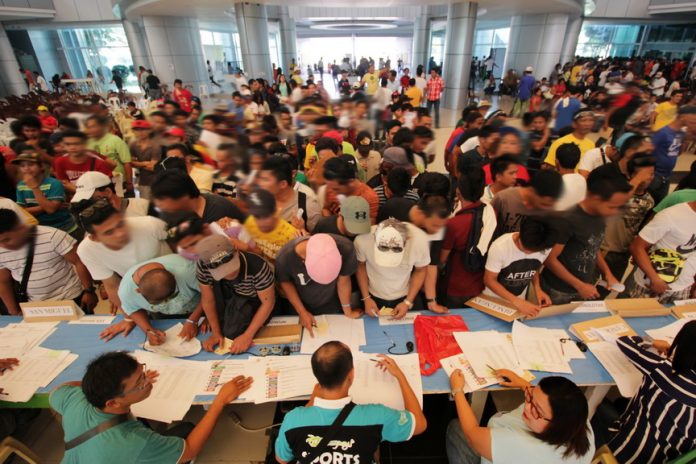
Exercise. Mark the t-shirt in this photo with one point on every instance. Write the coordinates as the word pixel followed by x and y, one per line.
pixel 510 210
pixel 114 148
pixel 131 441
pixel 511 438
pixel 565 109
pixel 52 276
pixel 674 229
pixel 460 282
pixel 416 96
pixel 371 82
pixel 331 203
pixel 668 143
pixel 225 185
pixel 216 208
pixel 622 228
pixel 328 225
pixel 271 242
pixel 255 275
pixel 391 283
pixel 411 194
pixel 152 152
pixel 674 198
pixel 525 87
pixel 355 441
pixel 135 207
pixel 188 297
pixel 666 113
pixel 317 298
pixel 582 238
pixel 53 190
pixel 574 191
pixel 312 210
pixel 369 163
pixel 147 241
pixel 584 144
pixel 67 170
pixel 592 159
pixel 514 267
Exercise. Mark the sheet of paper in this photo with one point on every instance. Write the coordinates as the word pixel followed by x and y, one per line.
pixel 488 349
pixel 667 332
pixel 99 319
pixel 409 318
pixel 473 381
pixel 179 381
pixel 286 377
pixel 684 302
pixel 16 339
pixel 625 374
pixel 18 392
pixel 613 330
pixel 591 307
pixel 372 385
pixel 538 350
pixel 37 368
pixel 174 345
pixel 221 372
pixel 334 327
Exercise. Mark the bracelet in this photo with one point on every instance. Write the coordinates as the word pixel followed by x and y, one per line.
pixel 407 303
pixel 347 305
pixel 128 319
pixel 90 289
pixel 368 297
pixel 431 300
pixel 190 322
pixel 458 390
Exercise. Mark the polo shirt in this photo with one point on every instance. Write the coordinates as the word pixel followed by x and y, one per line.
pixel 584 145
pixel 53 190
pixel 114 148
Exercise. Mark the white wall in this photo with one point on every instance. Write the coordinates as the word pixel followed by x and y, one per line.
pixel 621 9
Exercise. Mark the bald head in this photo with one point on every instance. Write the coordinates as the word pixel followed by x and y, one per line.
pixel 331 364
pixel 156 285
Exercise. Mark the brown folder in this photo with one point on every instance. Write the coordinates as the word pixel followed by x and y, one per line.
pixel 277 334
pixel 685 311
pixel 613 324
pixel 496 307
pixel 637 307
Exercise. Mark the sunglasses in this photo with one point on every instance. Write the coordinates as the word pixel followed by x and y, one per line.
pixel 394 249
pixel 533 408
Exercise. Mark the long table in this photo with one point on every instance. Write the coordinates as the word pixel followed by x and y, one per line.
pixel 83 340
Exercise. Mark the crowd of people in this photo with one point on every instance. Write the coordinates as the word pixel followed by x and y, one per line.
pixel 281 201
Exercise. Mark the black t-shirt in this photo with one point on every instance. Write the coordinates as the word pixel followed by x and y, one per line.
pixel 217 207
pixel 153 82
pixel 328 225
pixel 583 236
pixel 395 207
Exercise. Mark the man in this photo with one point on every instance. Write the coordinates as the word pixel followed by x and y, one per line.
pixel 392 265
pixel 112 147
pixel 583 121
pixel 95 185
pixel 77 160
pixel 202 174
pixel 371 80
pixel 315 275
pixel 341 179
pixel 263 226
pixel 504 176
pixel 182 96
pixel 666 112
pixel 237 292
pixel 392 84
pixel 364 427
pixel 56 271
pixel 368 158
pixel 524 93
pixel 433 92
pixel 574 184
pixel 414 93
pixel 113 383
pixel 569 274
pixel 488 139
pixel 351 221
pixel 564 109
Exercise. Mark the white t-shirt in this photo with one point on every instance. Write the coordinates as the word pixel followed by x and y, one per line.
pixel 514 267
pixel 147 241
pixel 421 83
pixel 673 228
pixel 469 144
pixel 658 86
pixel 391 283
pixel 137 207
pixel 592 159
pixel 6 203
pixel 574 191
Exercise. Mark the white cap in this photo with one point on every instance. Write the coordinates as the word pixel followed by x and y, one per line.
pixel 389 247
pixel 528 69
pixel 88 183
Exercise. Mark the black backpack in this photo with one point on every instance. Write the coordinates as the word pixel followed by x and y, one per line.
pixel 472 258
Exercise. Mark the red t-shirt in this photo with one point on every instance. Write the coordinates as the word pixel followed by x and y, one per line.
pixel 65 169
pixel 183 98
pixel 522 174
pixel 460 282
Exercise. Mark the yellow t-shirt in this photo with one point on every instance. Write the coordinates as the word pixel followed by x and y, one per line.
pixel 415 94
pixel 372 82
pixel 271 242
pixel 584 144
pixel 574 73
pixel 666 113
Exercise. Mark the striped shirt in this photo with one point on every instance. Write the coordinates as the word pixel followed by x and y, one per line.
pixel 660 421
pixel 411 194
pixel 434 88
pixel 255 275
pixel 52 276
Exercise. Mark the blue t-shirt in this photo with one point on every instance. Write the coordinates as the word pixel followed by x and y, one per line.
pixel 526 87
pixel 564 114
pixel 356 440
pixel 668 143
pixel 53 190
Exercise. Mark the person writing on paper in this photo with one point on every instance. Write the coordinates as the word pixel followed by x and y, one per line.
pixel 237 292
pixel 162 288
pixel 392 266
pixel 570 270
pixel 657 425
pixel 514 261
pixel 113 383
pixel 315 275
pixel 360 432
pixel 550 427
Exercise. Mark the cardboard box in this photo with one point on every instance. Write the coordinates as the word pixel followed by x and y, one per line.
pixel 637 307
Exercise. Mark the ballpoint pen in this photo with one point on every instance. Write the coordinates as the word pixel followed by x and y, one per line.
pixel 504 377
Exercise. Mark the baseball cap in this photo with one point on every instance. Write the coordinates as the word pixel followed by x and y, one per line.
pixel 140 124
pixel 396 156
pixel 389 246
pixel 323 260
pixel 87 183
pixel 334 134
pixel 356 215
pixel 28 156
pixel 218 256
pixel 528 69
pixel 484 104
pixel 261 203
pixel 42 108
pixel 585 112
pixel 175 132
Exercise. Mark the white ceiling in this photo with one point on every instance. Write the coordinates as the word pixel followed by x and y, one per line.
pixel 8 13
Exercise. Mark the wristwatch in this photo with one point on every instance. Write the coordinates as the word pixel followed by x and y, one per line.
pixel 456 390
pixel 90 290
pixel 407 303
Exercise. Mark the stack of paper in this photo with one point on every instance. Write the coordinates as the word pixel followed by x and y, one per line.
pixel 624 373
pixel 221 372
pixel 19 338
pixel 668 332
pixel 473 381
pixel 614 325
pixel 334 327
pixel 36 369
pixel 174 345
pixel 538 349
pixel 374 386
pixel 487 350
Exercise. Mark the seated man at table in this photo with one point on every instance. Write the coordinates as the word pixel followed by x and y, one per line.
pixel 363 426
pixel 314 273
pixel 113 383
pixel 392 264
pixel 237 292
pixel 162 288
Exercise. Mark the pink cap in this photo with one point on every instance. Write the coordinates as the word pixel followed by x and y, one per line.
pixel 323 259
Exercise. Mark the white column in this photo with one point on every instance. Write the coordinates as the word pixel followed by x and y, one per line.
pixel 11 81
pixel 535 41
pixel 421 40
pixel 252 23
pixel 288 39
pixel 459 41
pixel 570 41
pixel 136 43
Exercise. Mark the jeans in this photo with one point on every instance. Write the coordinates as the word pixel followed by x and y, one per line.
pixel 659 188
pixel 458 449
pixel 436 105
pixel 558 297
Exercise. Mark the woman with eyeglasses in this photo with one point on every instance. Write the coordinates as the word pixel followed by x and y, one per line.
pixel 551 426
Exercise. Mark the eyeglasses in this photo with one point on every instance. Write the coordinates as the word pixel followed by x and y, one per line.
pixel 140 385
pixel 533 408
pixel 394 249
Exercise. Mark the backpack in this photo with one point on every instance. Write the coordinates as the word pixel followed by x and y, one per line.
pixel 472 258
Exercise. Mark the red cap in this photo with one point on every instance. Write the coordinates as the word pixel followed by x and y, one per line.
pixel 175 132
pixel 141 124
pixel 332 134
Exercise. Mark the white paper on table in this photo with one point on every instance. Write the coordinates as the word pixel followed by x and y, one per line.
pixel 608 332
pixel 16 339
pixel 283 320
pixel 178 383
pixel 667 332
pixel 690 316
pixel 18 392
pixel 97 319
pixel 569 347
pixel 374 386
pixel 684 302
pixel 221 372
pixel 409 318
pixel 473 381
pixel 624 373
pixel 286 377
pixel 591 307
pixel 488 348
pixel 538 350
pixel 174 345
pixel 37 367
pixel 334 327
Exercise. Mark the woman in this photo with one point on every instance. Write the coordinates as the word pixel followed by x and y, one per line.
pixel 284 89
pixel 657 425
pixel 549 427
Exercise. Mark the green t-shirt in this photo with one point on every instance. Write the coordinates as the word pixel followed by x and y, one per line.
pixel 113 148
pixel 674 198
pixel 129 442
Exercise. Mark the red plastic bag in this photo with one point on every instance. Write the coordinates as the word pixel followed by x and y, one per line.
pixel 434 339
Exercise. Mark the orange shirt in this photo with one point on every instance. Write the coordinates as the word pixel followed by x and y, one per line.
pixel 364 191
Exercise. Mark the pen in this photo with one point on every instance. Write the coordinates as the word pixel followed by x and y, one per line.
pixel 504 377
pixel 375 360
